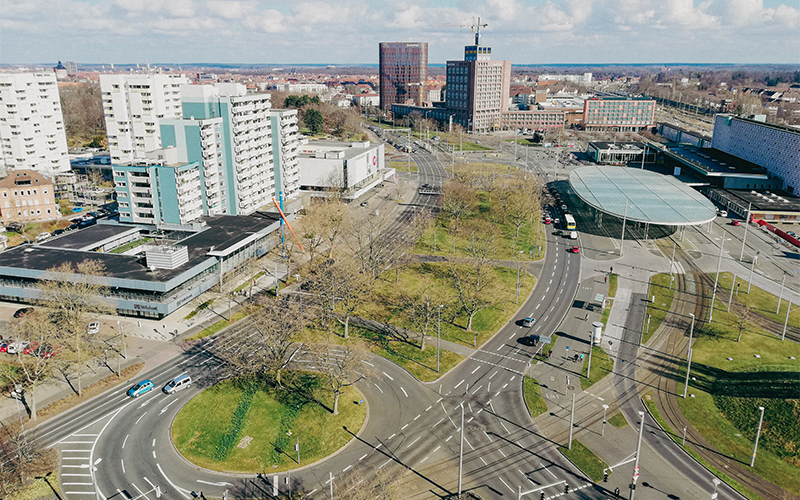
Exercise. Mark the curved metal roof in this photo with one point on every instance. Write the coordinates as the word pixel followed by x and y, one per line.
pixel 642 195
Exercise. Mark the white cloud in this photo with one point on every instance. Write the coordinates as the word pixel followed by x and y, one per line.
pixel 232 9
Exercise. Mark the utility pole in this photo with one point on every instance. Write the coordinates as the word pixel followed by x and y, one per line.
pixel 571 421
pixel 752 268
pixel 624 218
pixel 688 358
pixel 519 255
pixel 603 432
pixel 780 297
pixel 746 227
pixel 461 452
pixel 672 263
pixel 786 321
pixel 730 299
pixel 438 335
pixel 591 348
pixel 638 453
pixel 758 435
pixel 716 279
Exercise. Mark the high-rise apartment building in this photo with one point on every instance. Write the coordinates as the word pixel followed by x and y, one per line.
pixel 244 143
pixel 159 190
pixel 284 152
pixel 31 124
pixel 403 72
pixel 478 88
pixel 774 147
pixel 133 105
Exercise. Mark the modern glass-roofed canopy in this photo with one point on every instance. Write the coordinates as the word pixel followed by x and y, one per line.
pixel 641 196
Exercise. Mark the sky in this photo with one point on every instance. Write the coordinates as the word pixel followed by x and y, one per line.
pixel 343 32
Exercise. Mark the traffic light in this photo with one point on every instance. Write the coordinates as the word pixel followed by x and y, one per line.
pixel 566 488
pixel 541 496
pixel 605 476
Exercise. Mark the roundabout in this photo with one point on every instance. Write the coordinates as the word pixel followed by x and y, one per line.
pixel 248 427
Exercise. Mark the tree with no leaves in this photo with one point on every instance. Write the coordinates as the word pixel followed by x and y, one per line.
pixel 459 199
pixel 341 366
pixel 473 277
pixel 72 295
pixel 339 286
pixel 265 348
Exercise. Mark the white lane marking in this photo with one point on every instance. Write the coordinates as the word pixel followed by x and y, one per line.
pixel 367 363
pixel 538 305
pixel 76 442
pixel 507 486
pixel 219 483
pixel 404 391
pixel 365 456
pixel 77 475
pixel 484 461
pixel 346 468
pixel 137 421
pixel 456 387
pixel 141 493
pixel 415 418
pixel 76 451
pixel 385 464
pixel 476 390
pixel 376 385
pixel 428 408
pixel 436 449
pixel 548 470
pixel 477 368
pixel 125 440
pixel 488 436
pixel 493 374
pixel 164 409
pixel 501 452
pixel 154 442
pixel 154 453
pixel 448 439
pixel 86 435
pixel 122 462
pixel 393 435
pixel 387 376
pixel 404 427
pixel 77 484
pixel 183 492
pixel 437 423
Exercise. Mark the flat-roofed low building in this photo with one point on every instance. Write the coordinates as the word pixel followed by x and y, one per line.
pixel 147 279
pixel 533 119
pixel 27 196
pixel 343 166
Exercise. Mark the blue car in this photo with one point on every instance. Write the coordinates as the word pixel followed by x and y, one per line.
pixel 142 387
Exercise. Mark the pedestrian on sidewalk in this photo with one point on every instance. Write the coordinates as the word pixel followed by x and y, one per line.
pixel 587 317
pixel 606 278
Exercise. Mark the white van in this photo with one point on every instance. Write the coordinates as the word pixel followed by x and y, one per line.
pixel 178 383
pixel 573 235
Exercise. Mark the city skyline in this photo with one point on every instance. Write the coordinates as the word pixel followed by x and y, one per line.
pixel 526 32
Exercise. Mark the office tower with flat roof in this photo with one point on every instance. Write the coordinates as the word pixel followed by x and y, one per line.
pixel 403 72
pixel 32 131
pixel 134 105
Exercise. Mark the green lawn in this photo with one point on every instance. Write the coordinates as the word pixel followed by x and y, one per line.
pixel 653 409
pixel 761 302
pixel 585 459
pixel 219 325
pixel 273 422
pixel 466 146
pixel 618 421
pixel 602 365
pixel 387 303
pixel 724 408
pixel 659 286
pixel 533 397
pixel 402 166
pixel 613 279
pixel 131 245
pixel 420 363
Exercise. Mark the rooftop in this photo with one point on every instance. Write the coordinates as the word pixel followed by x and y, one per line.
pixel 641 196
pixel 715 162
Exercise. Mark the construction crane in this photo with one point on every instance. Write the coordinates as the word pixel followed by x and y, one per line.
pixel 476 28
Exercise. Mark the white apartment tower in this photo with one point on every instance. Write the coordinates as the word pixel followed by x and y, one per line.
pixel 284 152
pixel 133 105
pixel 31 124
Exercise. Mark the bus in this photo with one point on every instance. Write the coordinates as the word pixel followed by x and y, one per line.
pixel 570 221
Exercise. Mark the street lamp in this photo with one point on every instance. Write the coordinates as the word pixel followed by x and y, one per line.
pixel 688 358
pixel 758 435
pixel 603 432
pixel 716 279
pixel 638 453
pixel 752 267
pixel 519 255
pixel 716 482
pixel 438 334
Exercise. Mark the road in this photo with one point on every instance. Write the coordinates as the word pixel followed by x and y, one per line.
pixel 117 447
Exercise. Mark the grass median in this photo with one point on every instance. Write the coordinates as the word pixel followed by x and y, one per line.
pixel 658 309
pixel 602 365
pixel 585 459
pixel 275 419
pixel 533 397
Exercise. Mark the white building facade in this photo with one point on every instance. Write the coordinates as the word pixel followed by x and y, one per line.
pixel 285 144
pixel 32 131
pixel 773 147
pixel 133 105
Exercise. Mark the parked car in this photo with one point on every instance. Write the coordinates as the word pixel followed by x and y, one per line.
pixel 737 223
pixel 42 236
pixel 30 348
pixel 17 347
pixel 4 346
pixel 722 213
pixel 57 232
pixel 575 250
pixel 142 387
pixel 44 351
pixel 528 322
pixel 22 312
pixel 93 328
pixel 72 226
pixel 563 207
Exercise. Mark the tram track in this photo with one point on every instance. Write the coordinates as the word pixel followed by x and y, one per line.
pixel 691 297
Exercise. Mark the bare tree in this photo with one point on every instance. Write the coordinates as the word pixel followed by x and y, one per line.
pixel 21 460
pixel 266 347
pixel 341 366
pixel 474 276
pixel 72 296
pixel 420 309
pixel 340 286
pixel 458 201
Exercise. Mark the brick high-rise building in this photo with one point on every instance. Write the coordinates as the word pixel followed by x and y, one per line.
pixel 403 72
pixel 478 88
